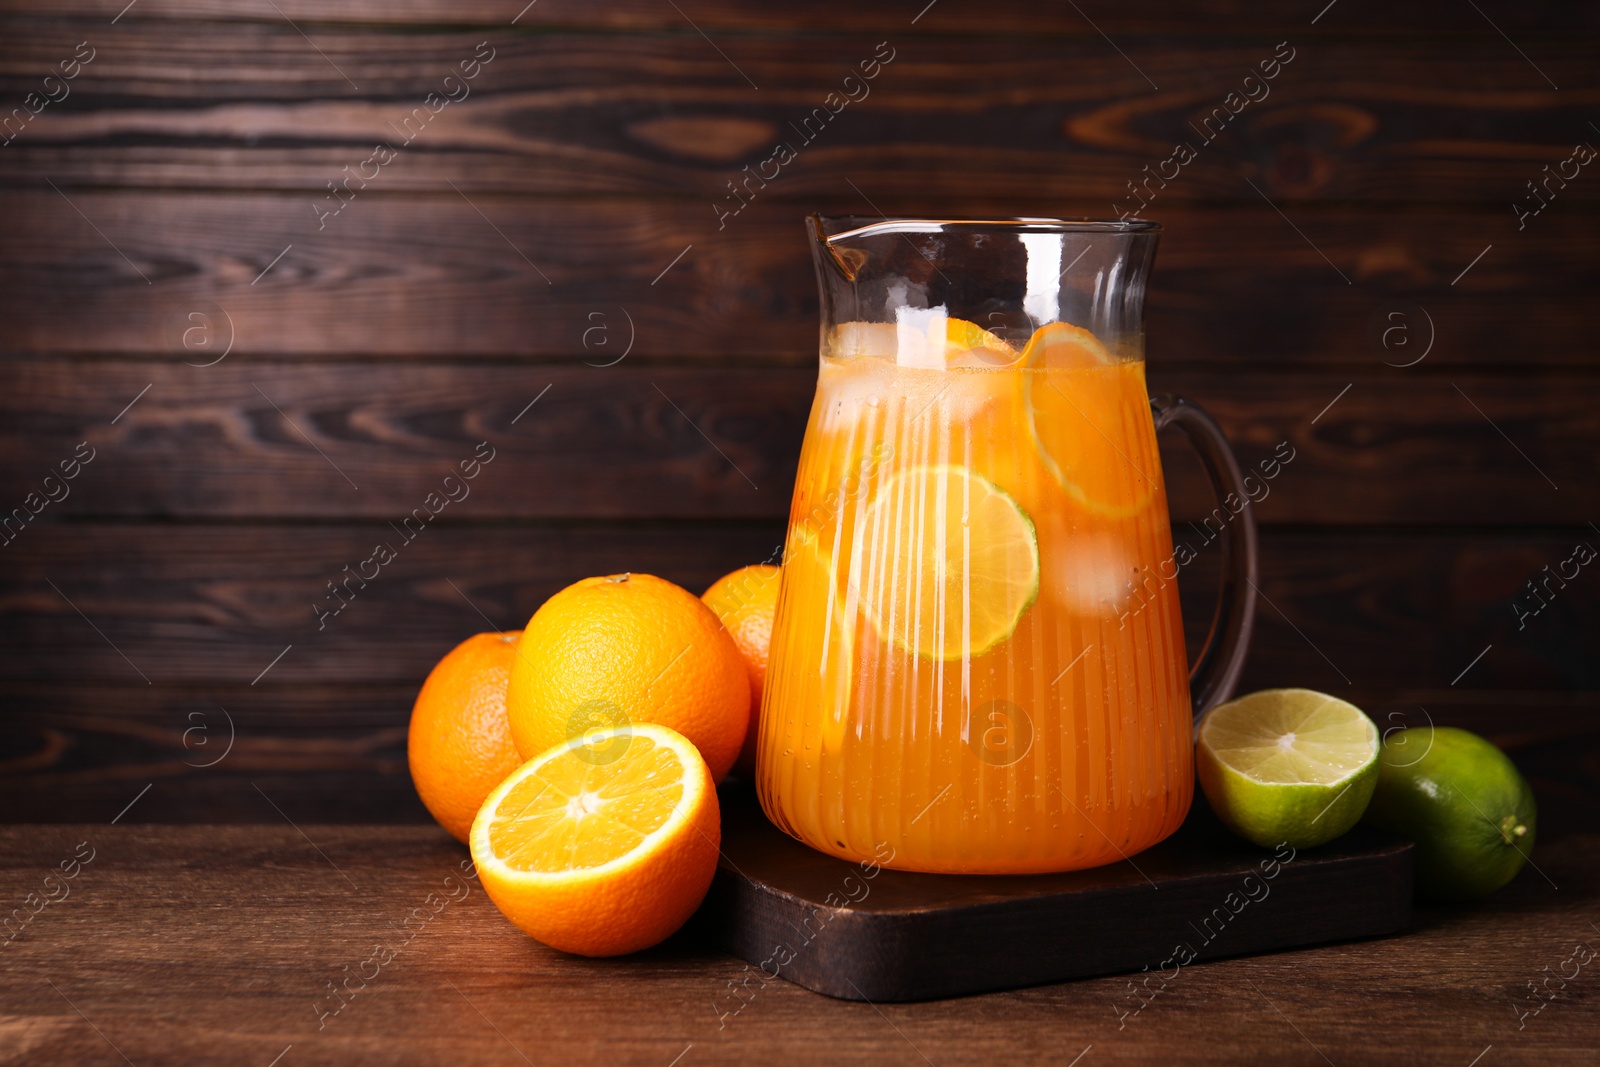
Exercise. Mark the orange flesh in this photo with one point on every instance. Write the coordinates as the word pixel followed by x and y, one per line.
pixel 583 809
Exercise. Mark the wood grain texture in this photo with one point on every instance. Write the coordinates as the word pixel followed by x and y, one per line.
pixel 564 113
pixel 74 751
pixel 235 439
pixel 215 944
pixel 249 439
pixel 191 604
pixel 227 599
pixel 418 276
pixel 1432 17
pixel 71 751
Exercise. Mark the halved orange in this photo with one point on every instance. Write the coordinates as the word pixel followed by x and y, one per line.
pixel 604 844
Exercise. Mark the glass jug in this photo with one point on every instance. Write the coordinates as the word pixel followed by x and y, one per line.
pixel 978 662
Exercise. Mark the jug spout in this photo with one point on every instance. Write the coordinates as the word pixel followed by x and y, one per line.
pixel 838 255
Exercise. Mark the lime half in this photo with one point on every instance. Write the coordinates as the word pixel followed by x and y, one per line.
pixel 1462 801
pixel 1288 766
pixel 959 562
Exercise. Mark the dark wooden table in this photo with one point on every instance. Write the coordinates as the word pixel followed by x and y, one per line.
pixel 223 944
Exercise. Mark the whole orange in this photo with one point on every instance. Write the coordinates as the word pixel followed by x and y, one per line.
pixel 745 601
pixel 459 745
pixel 625 648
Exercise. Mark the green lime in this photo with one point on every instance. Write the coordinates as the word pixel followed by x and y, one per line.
pixel 1287 765
pixel 961 566
pixel 1462 801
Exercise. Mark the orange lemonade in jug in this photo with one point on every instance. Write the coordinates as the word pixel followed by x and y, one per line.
pixel 978 662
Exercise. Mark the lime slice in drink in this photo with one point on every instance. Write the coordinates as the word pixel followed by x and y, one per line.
pixel 959 562
pixel 1462 801
pixel 1288 765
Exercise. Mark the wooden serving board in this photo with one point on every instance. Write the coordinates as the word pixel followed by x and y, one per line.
pixel 863 933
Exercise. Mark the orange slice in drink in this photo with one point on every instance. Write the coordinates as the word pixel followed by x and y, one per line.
pixel 1061 345
pixel 966 344
pixel 602 845
pixel 1086 415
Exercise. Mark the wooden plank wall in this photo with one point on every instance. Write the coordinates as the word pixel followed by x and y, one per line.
pixel 250 388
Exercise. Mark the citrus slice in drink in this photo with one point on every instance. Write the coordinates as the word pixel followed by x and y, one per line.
pixel 962 562
pixel 1077 401
pixel 822 632
pixel 966 344
pixel 604 844
pixel 1062 345
pixel 1288 765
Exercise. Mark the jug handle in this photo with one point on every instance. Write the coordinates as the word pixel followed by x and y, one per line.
pixel 1216 671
